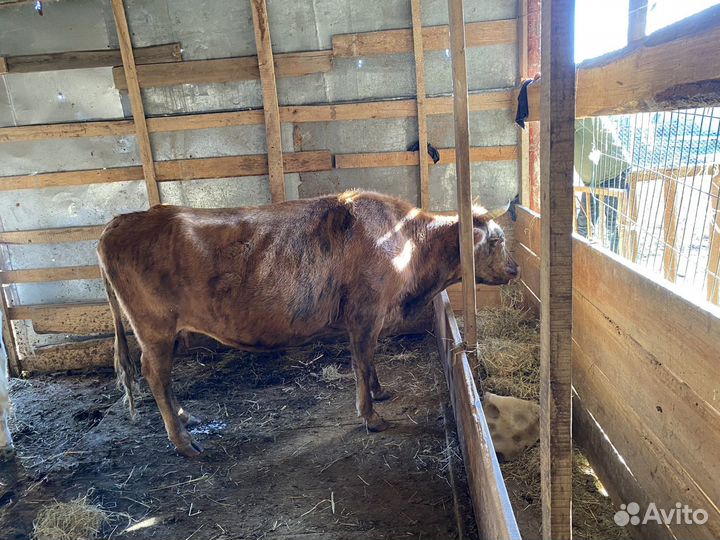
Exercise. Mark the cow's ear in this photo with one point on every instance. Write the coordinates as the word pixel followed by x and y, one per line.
pixel 479 235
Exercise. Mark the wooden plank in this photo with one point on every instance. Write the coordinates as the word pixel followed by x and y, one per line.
pixel 3 66
pixel 231 166
pixel 226 70
pixel 493 511
pixel 659 473
pixel 684 335
pixel 369 160
pixel 527 228
pixel 138 110
pixel 461 113
pixel 41 132
pixel 91 353
pixel 364 110
pixel 486 297
pixel 71 178
pixel 435 38
pixel 52 236
pixel 655 469
pixel 688 426
pixel 670 225
pixel 266 66
pixel 180 169
pixel 713 269
pixel 169 52
pixel 557 136
pixel 35 275
pixel 636 79
pixel 82 319
pixel 637 20
pixel 417 35
pixel 617 479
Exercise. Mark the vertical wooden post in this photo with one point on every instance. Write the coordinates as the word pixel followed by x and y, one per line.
pixel 713 269
pixel 270 99
pixel 670 224
pixel 588 214
pixel 462 169
pixel 138 110
pixel 634 212
pixel 622 221
pixel 421 115
pixel 637 20
pixel 533 67
pixel 524 137
pixel 602 228
pixel 14 367
pixel 557 152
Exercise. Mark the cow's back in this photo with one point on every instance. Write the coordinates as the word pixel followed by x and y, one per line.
pixel 257 277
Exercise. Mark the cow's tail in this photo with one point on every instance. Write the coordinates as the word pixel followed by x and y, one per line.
pixel 125 367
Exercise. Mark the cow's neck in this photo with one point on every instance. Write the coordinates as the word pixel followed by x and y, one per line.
pixel 436 262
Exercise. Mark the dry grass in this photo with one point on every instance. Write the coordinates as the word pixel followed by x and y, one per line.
pixel 509 365
pixel 74 520
pixel 592 511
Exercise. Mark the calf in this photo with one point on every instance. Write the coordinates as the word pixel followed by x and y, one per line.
pixel 281 275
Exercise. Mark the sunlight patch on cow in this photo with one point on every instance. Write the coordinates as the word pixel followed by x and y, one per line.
pixel 398 227
pixel 402 260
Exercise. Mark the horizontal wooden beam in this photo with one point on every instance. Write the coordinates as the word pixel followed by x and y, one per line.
pixel 71 178
pixel 180 169
pixel 35 275
pixel 155 54
pixel 225 70
pixel 83 319
pixel 52 236
pixel 41 132
pixel 91 353
pixel 364 110
pixel 435 38
pixel 639 79
pixel 408 159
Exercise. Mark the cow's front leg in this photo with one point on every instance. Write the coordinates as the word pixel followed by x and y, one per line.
pixel 362 347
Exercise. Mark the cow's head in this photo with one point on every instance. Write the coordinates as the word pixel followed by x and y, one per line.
pixel 493 263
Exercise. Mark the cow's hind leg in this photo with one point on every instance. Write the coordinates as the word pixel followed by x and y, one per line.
pixel 363 341
pixel 188 420
pixel 157 369
pixel 376 389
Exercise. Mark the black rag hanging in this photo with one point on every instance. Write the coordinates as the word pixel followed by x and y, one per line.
pixel 523 110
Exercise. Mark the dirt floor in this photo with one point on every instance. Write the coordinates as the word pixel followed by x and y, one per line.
pixel 285 456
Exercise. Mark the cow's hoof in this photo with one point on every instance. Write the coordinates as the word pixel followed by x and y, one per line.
pixel 7 453
pixel 192 450
pixel 376 423
pixel 382 395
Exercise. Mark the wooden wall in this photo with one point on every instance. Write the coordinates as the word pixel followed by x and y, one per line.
pixel 646 372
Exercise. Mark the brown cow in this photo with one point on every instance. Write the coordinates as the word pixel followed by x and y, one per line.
pixel 269 277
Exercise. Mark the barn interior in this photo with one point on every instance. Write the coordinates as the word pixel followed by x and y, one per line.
pixel 113 106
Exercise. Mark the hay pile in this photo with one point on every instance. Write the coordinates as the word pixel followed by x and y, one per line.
pixel 509 365
pixel 74 520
